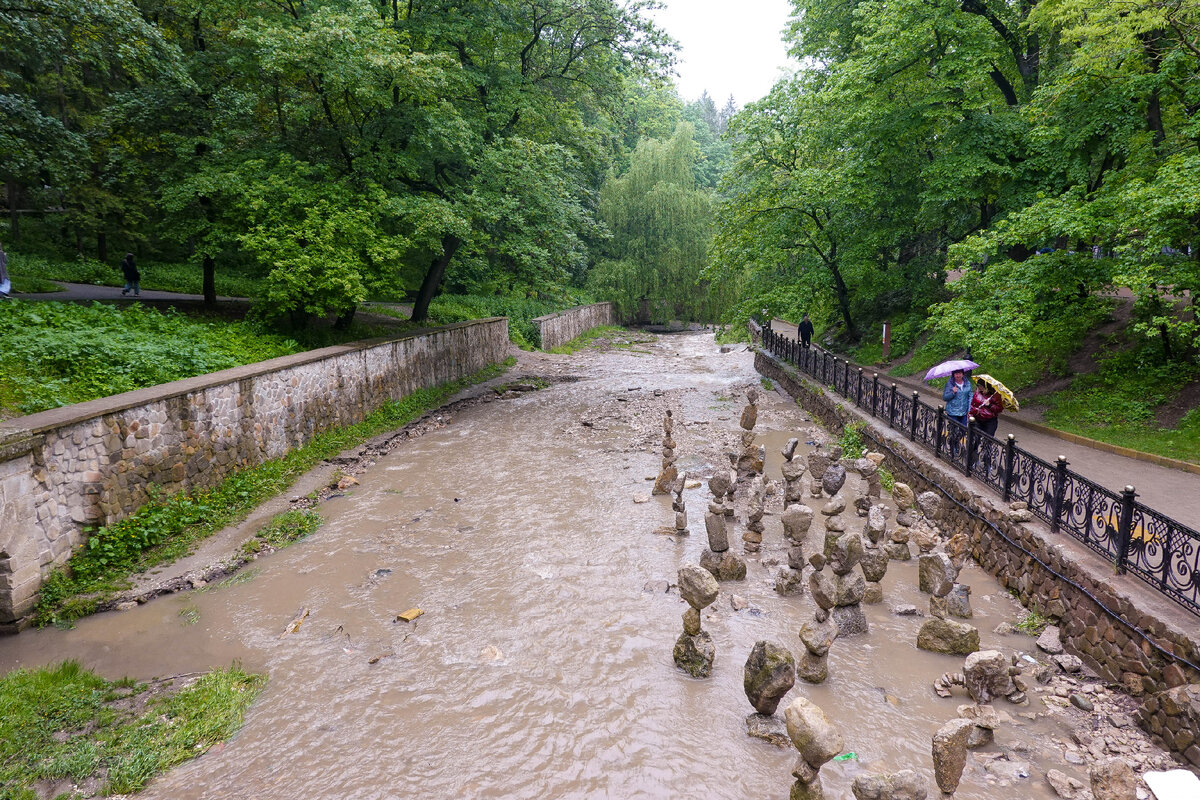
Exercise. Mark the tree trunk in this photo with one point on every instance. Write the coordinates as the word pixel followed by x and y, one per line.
pixel 210 280
pixel 14 227
pixel 433 278
pixel 102 246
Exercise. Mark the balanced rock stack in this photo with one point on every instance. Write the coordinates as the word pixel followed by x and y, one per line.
pixel 717 558
pixel 681 520
pixel 818 636
pixel 851 586
pixel 986 675
pixel 668 473
pixel 897 547
pixel 869 470
pixel 753 535
pixel 818 461
pixel 817 741
pixel 937 575
pixel 749 462
pixel 797 518
pixel 694 650
pixel 875 559
pixel 769 674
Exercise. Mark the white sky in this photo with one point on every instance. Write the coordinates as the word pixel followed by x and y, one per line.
pixel 727 47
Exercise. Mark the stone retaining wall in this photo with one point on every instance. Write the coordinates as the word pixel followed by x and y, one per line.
pixel 1074 587
pixel 563 326
pixel 68 469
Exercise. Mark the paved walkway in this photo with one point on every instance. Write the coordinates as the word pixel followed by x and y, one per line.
pixel 1173 492
pixel 82 292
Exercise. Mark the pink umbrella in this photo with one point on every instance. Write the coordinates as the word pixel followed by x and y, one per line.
pixel 949 367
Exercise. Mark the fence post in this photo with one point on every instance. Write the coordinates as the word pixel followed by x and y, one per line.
pixel 1060 491
pixel 846 378
pixel 892 407
pixel 825 367
pixel 874 394
pixel 912 422
pixel 1010 454
pixel 1125 529
pixel 969 456
pixel 858 390
pixel 941 428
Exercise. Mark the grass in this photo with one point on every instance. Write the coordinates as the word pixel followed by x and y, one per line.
pixel 611 337
pixel 767 385
pixel 1117 404
pixel 66 723
pixel 54 354
pixel 25 284
pixel 854 446
pixel 169 526
pixel 1032 623
pixel 283 529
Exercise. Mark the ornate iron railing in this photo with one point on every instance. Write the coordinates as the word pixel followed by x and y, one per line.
pixel 1159 550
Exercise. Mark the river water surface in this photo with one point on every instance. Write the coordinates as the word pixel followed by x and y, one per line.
pixel 541 667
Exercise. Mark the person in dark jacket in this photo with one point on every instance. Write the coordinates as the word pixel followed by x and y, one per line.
pixel 132 276
pixel 986 405
pixel 806 331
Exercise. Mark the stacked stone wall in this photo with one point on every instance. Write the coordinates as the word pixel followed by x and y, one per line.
pixel 66 470
pixel 559 328
pixel 1123 627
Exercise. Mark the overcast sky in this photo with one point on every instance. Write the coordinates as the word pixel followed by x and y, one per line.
pixel 727 46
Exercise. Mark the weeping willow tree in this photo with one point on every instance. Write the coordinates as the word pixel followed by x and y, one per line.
pixel 661 224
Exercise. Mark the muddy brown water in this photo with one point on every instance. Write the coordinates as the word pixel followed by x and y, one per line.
pixel 542 666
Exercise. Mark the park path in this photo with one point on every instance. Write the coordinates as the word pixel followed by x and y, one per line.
pixel 1174 492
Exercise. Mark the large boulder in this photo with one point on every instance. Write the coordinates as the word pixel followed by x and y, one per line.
pixel 726 566
pixel 936 574
pixel 695 654
pixel 811 733
pixel 851 620
pixel 846 552
pixel 874 564
pixel 985 676
pixel 876 523
pixel 948 636
pixel 950 753
pixel 697 586
pixel 769 673
pixel 749 417
pixel 903 496
pixel 930 504
pixel 797 519
pixel 958 602
pixel 1113 779
pixel 902 785
pixel 818 637
pixel 850 589
pixel 818 462
pixel 824 589
pixel 718 538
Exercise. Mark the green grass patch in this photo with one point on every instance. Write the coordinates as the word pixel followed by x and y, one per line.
pixel 283 529
pixel 24 284
pixel 1032 623
pixel 767 385
pixel 854 445
pixel 1117 404
pixel 607 337
pixel 169 526
pixel 66 723
pixel 54 354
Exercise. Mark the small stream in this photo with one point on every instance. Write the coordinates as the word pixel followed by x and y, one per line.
pixel 542 667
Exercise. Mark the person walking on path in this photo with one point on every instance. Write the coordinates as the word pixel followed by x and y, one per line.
pixel 5 284
pixel 986 405
pixel 805 329
pixel 957 395
pixel 132 276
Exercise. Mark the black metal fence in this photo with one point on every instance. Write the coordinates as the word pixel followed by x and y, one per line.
pixel 1163 552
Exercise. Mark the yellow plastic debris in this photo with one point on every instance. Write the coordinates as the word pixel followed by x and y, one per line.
pixel 410 615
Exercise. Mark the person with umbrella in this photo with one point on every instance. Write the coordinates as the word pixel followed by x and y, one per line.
pixel 957 395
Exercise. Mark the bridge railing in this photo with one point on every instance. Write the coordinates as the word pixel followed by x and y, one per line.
pixel 1133 537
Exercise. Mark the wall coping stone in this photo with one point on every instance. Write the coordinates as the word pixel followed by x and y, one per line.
pixel 573 309
pixel 31 425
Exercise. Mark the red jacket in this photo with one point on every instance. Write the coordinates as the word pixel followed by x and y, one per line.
pixel 985 408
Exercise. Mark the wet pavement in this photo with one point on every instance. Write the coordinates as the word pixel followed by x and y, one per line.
pixel 541 666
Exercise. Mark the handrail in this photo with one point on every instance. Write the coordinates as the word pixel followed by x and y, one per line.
pixel 1162 551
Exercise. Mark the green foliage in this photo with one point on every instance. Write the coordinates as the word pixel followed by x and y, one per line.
pixel 610 337
pixel 65 722
pixel 1032 623
pixel 851 440
pixel 54 354
pixel 283 529
pixel 167 527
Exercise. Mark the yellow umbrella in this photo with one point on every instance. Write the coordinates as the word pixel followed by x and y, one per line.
pixel 1009 399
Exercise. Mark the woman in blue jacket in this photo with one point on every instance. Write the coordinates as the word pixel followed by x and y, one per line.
pixel 957 395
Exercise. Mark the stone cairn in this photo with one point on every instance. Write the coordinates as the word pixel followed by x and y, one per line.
pixel 668 474
pixel 875 558
pixel 797 518
pixel 986 674
pixel 681 520
pixel 753 535
pixel 950 753
pixel 816 740
pixel 818 636
pixel 717 558
pixel 750 460
pixel 897 546
pixel 694 650
pixel 845 554
pixel 937 575
pixel 769 674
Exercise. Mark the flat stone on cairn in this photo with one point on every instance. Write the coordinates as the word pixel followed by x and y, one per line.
pixel 694 650
pixel 769 674
pixel 716 558
pixel 668 474
pixel 816 740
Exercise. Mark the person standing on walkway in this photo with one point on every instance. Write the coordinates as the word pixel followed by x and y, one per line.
pixel 986 405
pixel 806 331
pixel 132 276
pixel 5 284
pixel 957 395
